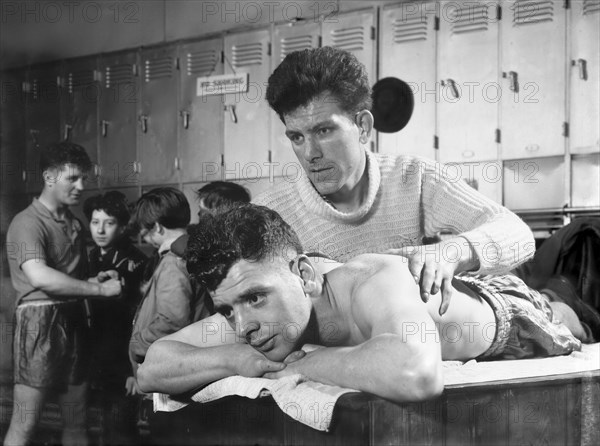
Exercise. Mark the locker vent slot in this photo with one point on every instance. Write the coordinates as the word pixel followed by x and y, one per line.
pixel 201 63
pixel 247 54
pixel 296 43
pixel 43 87
pixel 471 18
pixel 158 68
pixel 118 74
pixel 591 6
pixel 532 11
pixel 349 39
pixel 81 78
pixel 410 29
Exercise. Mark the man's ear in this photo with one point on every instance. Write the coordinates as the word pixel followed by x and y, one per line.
pixel 306 270
pixel 49 176
pixel 158 228
pixel 364 120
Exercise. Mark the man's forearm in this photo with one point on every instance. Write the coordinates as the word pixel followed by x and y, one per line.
pixel 383 366
pixel 59 284
pixel 175 367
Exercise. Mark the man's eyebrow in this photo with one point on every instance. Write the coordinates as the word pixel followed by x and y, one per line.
pixel 325 122
pixel 251 291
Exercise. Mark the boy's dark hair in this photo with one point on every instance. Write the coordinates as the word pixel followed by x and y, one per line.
pixel 222 193
pixel 165 205
pixel 113 203
pixel 248 231
pixel 58 154
pixel 303 75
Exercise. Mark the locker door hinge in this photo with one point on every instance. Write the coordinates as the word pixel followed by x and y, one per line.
pixel 436 24
pixel 567 4
pixel 134 70
pixel 373 36
pixel 565 129
pixel 436 142
pixel 498 136
pixel 269 49
pixel 222 56
pixel 499 12
pixel 177 63
pixel 222 160
pixel 320 42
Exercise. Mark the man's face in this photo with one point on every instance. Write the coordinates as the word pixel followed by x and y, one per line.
pixel 65 184
pixel 265 302
pixel 327 143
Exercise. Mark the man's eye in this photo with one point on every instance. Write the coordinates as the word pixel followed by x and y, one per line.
pixel 296 139
pixel 255 299
pixel 226 312
pixel 323 131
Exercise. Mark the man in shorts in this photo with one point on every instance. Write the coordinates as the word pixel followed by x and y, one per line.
pixel 368 326
pixel 46 256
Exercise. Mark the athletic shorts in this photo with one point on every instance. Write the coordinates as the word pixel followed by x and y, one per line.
pixel 525 324
pixel 51 344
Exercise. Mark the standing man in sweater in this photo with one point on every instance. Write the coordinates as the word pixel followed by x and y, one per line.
pixel 352 201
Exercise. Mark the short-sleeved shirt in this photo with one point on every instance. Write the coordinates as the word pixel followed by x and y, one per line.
pixel 35 234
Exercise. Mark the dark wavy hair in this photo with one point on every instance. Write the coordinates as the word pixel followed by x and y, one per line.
pixel 303 75
pixel 248 231
pixel 113 203
pixel 165 205
pixel 58 154
pixel 218 194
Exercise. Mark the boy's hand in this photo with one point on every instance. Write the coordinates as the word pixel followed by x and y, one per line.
pixel 131 387
pixel 251 363
pixel 103 276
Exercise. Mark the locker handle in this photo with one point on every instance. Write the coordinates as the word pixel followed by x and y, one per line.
pixel 67 133
pixel 24 176
pixel 176 163
pixel 185 115
pixel 582 65
pixel 232 113
pixel 452 84
pixel 104 128
pixel 513 78
pixel 144 123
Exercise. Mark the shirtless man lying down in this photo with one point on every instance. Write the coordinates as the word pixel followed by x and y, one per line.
pixel 373 331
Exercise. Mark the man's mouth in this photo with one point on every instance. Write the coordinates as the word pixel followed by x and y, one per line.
pixel 264 345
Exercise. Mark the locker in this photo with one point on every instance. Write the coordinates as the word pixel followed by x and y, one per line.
pixel 467 113
pixel 246 115
pixel 12 132
pixel 533 78
pixel 157 118
pixel 286 39
pixel 408 52
pixel 200 126
pixel 117 112
pixel 80 92
pixel 42 119
pixel 584 76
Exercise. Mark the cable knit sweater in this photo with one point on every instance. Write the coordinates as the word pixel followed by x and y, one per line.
pixel 408 198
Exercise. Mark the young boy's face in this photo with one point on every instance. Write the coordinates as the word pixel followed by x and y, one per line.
pixel 105 229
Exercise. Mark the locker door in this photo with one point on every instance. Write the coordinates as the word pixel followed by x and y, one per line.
pixel 158 117
pixel 42 119
pixel 467 114
pixel 119 97
pixel 287 39
pixel 12 134
pixel 407 51
pixel 533 84
pixel 79 110
pixel 247 114
pixel 585 76
pixel 200 126
pixel 355 32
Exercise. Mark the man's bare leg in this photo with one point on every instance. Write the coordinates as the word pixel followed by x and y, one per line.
pixel 73 404
pixel 28 403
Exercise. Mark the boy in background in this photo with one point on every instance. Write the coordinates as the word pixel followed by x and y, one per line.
pixel 111 372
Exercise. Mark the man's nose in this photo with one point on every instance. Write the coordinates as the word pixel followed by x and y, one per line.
pixel 247 326
pixel 79 184
pixel 101 229
pixel 312 149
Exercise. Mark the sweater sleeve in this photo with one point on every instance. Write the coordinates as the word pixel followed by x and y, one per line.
pixel 500 239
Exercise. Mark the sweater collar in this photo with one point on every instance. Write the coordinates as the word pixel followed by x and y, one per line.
pixel 318 205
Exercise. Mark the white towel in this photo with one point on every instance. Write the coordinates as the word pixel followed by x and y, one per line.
pixel 309 402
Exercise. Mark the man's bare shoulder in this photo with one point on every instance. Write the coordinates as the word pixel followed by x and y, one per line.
pixel 365 266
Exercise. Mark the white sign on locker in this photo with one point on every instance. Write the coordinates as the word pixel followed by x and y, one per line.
pixel 222 84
